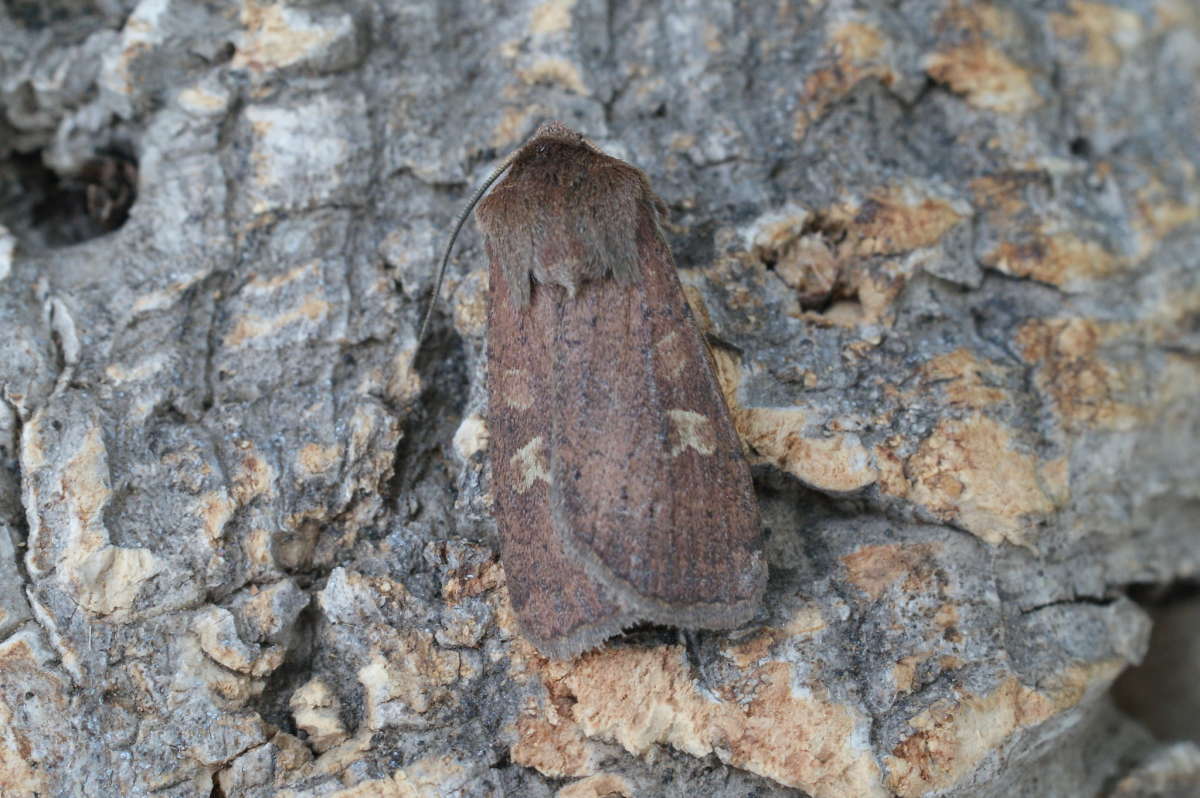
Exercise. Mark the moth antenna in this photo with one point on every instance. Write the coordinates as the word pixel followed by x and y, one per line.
pixel 458 223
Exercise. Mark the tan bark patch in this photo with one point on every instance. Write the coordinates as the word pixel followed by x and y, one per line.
pixel 431 777
pixel 250 328
pixel 551 16
pixel 855 52
pixel 1108 32
pixel 317 712
pixel 471 436
pixel 513 126
pixel 836 463
pixel 967 471
pixel 965 379
pixel 951 738
pixel 490 577
pixel 552 745
pixel 410 679
pixel 601 785
pixel 317 459
pixel 826 255
pixel 86 487
pixel 892 479
pixel 893 219
pixel 873 569
pixel 904 672
pixel 31 695
pixel 555 71
pixel 470 304
pixel 1160 212
pixel 1085 389
pixel 644 697
pixel 986 77
pixel 1061 259
pixel 1035 247
pixel 252 476
pixel 276 36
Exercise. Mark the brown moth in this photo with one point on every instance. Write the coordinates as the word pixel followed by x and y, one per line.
pixel 620 491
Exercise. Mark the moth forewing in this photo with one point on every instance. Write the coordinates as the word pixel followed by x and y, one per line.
pixel 620 491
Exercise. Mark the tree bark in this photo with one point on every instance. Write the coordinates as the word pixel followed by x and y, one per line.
pixel 946 256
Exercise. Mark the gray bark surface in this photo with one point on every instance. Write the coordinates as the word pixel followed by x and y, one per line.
pixel 947 255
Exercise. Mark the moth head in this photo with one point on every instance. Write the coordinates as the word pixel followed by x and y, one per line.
pixel 557 132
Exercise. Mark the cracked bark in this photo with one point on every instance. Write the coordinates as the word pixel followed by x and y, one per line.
pixel 246 547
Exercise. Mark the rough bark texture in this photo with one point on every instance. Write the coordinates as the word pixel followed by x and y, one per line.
pixel 949 253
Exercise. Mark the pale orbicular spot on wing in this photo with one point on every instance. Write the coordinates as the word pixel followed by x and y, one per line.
pixel 673 353
pixel 517 393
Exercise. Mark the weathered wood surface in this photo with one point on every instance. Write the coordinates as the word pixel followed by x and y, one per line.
pixel 948 252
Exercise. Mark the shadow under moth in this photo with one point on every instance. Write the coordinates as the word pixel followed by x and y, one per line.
pixel 621 495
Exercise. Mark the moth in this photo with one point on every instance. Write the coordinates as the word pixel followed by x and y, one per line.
pixel 621 494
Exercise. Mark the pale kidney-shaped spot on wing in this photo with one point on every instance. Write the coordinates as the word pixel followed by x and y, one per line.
pixel 530 463
pixel 690 429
